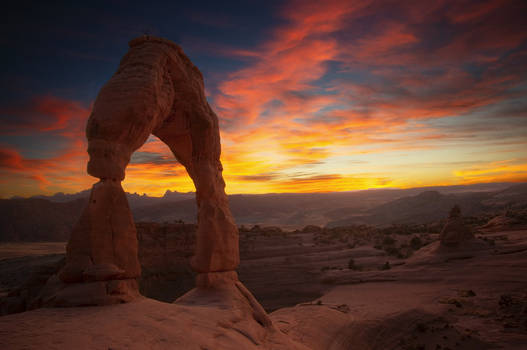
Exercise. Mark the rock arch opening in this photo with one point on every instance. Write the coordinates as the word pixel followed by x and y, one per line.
pixel 153 169
pixel 156 90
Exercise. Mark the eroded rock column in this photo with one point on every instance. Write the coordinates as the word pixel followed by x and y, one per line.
pixel 217 250
pixel 217 243
pixel 455 232
pixel 101 256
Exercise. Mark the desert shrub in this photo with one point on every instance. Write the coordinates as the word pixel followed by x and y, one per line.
pixel 351 264
pixel 404 229
pixel 416 243
pixel 311 228
pixel 323 241
pixel 360 242
pixel 436 227
pixel 329 280
pixel 391 250
pixel 386 266
pixel 490 241
pixel 388 241
pixel 421 327
pixel 475 220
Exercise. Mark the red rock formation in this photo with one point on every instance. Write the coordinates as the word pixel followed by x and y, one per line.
pixel 455 232
pixel 156 90
pixel 103 243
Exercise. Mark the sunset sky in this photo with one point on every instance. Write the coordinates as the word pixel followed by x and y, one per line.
pixel 312 95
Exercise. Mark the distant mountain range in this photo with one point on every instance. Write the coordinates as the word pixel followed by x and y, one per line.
pixel 50 218
pixel 134 199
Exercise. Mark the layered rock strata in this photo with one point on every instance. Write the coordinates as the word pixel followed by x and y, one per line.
pixel 156 90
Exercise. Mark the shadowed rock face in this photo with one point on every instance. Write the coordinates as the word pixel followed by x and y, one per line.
pixel 156 90
pixel 455 232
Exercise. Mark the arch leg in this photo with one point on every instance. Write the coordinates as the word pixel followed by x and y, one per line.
pixel 198 149
pixel 217 235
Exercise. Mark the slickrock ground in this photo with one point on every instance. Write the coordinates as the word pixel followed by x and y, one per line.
pixel 468 297
pixel 142 324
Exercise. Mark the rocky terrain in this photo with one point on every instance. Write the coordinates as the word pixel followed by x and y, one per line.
pixel 51 218
pixel 337 288
pixel 301 262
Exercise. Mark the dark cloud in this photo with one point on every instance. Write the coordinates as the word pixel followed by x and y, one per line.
pixel 140 157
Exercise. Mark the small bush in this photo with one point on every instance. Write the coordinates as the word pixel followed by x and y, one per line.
pixel 394 251
pixel 386 266
pixel 388 241
pixel 351 264
pixel 416 243
pixel 329 280
pixel 421 327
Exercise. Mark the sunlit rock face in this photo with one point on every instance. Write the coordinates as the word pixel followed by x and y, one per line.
pixel 156 90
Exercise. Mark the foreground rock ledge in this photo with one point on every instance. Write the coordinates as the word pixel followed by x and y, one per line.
pixel 203 319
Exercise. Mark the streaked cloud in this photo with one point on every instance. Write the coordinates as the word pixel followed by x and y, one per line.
pixel 341 95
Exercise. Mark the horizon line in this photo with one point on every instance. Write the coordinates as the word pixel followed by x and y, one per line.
pixel 285 193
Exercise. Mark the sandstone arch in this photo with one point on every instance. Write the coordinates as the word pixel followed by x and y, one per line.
pixel 156 90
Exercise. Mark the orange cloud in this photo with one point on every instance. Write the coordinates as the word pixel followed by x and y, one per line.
pixel 45 114
pixel 63 167
pixel 336 82
pixel 63 172
pixel 513 170
pixel 10 159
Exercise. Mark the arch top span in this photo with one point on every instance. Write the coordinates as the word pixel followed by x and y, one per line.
pixel 155 90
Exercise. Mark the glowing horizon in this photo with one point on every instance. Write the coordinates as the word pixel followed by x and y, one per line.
pixel 337 96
